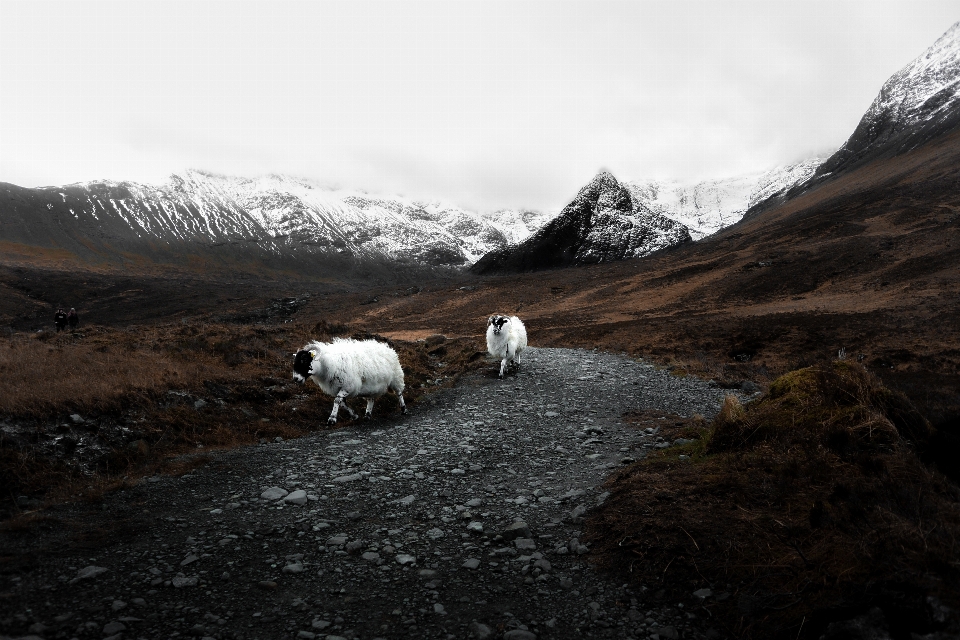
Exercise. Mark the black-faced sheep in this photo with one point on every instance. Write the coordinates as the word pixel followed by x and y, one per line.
pixel 346 368
pixel 506 339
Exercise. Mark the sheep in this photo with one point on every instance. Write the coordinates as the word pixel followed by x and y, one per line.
pixel 346 368
pixel 506 339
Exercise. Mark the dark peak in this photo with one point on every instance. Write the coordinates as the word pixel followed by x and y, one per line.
pixel 605 180
pixel 603 192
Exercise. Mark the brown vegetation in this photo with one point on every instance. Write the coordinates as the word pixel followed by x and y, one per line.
pixel 146 395
pixel 809 504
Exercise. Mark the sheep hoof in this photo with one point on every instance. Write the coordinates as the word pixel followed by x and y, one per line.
pixel 367 416
pixel 331 421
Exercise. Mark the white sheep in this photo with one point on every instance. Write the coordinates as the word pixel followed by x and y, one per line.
pixel 506 339
pixel 346 368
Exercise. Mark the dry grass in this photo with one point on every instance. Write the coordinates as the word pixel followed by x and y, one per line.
pixel 808 504
pixel 107 371
pixel 138 390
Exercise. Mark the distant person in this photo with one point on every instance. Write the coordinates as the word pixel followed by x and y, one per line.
pixel 60 319
pixel 73 319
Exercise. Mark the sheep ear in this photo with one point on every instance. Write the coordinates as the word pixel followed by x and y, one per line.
pixel 490 320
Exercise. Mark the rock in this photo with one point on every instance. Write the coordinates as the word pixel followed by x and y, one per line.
pixel 350 478
pixel 371 556
pixel 749 386
pixel 516 530
pixel 306 635
pixel 438 609
pixel 406 500
pixel 470 563
pixel 113 627
pixel 88 572
pixel 184 581
pixel 524 543
pixel 118 605
pixel 298 497
pixel 573 493
pixel 475 527
pixel 669 633
pixel 76 418
pixel 336 541
pixel 404 558
pixel 476 502
pixel 435 534
pixel 319 624
pixel 519 634
pixel 294 567
pixel 273 493
pixel 189 560
pixel 267 584
pixel 353 546
pixel 481 631
pixel 702 594
pixel 577 548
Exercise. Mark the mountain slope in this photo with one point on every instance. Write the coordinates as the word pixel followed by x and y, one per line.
pixel 601 224
pixel 917 104
pixel 217 221
pixel 707 206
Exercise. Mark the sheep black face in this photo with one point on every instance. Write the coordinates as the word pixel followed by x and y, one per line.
pixel 498 322
pixel 302 364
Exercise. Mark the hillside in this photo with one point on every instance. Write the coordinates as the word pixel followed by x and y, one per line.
pixel 209 224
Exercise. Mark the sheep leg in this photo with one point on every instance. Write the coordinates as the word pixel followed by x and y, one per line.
pixel 503 366
pixel 369 412
pixel 403 405
pixel 337 403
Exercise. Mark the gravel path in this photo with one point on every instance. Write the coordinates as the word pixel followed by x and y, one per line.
pixel 460 520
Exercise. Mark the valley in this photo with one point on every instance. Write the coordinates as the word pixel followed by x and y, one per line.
pixel 750 388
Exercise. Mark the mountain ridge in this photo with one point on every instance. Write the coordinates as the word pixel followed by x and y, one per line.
pixel 271 219
pixel 602 223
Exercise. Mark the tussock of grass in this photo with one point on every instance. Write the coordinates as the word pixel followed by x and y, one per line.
pixel 808 504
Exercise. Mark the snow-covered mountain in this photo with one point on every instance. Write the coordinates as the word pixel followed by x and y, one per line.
pixel 603 223
pixel 277 216
pixel 707 206
pixel 916 104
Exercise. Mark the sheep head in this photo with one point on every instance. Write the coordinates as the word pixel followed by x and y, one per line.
pixel 303 365
pixel 497 323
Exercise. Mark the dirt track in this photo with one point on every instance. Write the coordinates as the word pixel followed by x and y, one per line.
pixel 407 527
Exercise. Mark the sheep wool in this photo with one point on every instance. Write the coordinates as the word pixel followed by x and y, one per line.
pixel 506 339
pixel 346 368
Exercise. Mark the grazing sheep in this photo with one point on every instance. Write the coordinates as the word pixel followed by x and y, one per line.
pixel 506 338
pixel 346 368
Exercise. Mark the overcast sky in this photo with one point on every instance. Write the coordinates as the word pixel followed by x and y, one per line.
pixel 481 104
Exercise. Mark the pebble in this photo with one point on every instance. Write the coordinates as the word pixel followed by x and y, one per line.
pixel 298 497
pixel 273 493
pixel 471 563
pixel 405 558
pixel 88 572
pixel 112 628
